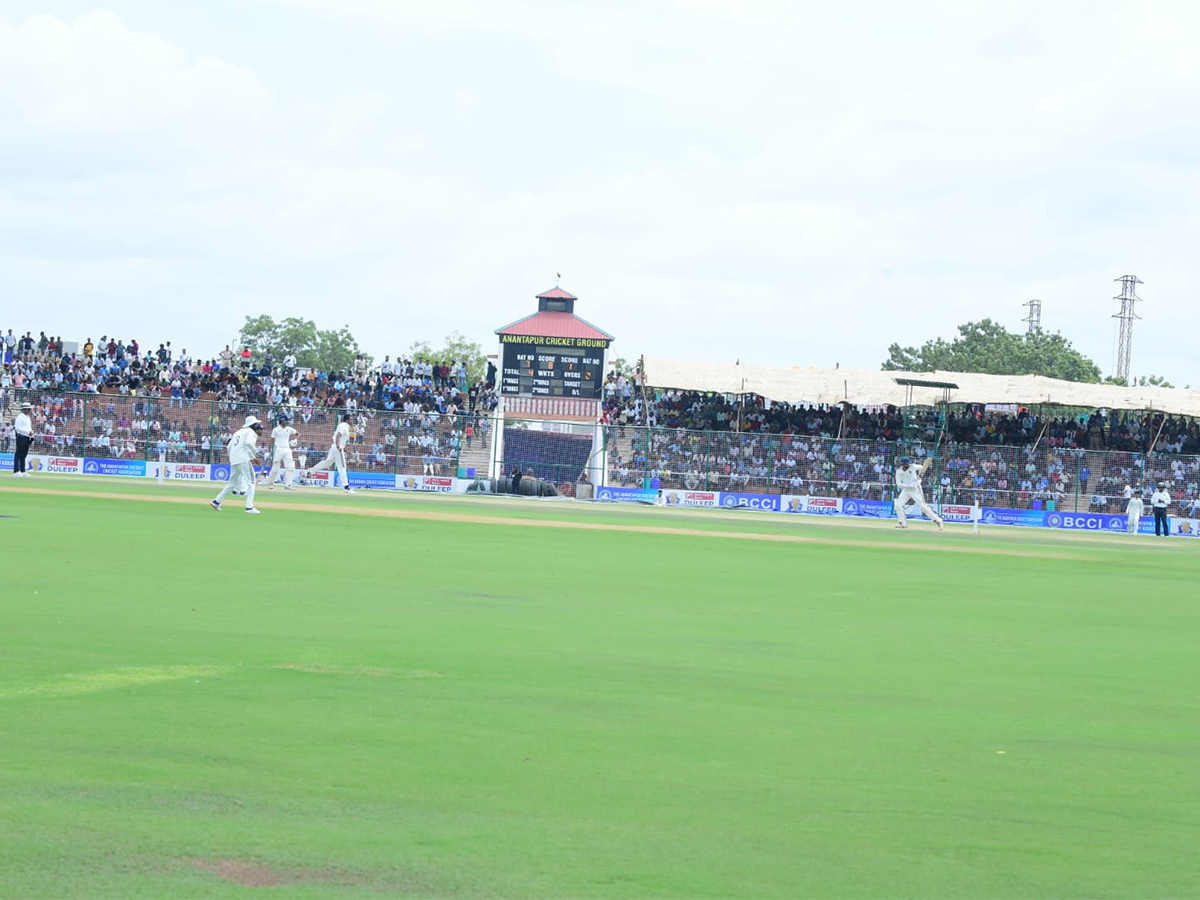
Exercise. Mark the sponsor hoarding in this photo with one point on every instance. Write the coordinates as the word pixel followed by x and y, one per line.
pixel 874 509
pixel 813 506
pixel 128 468
pixel 1086 521
pixel 180 471
pixel 376 480
pixel 626 495
pixel 688 498
pixel 768 502
pixel 439 484
pixel 61 465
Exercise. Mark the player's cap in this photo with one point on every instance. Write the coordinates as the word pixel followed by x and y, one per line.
pixel 26 405
pixel 283 417
pixel 251 420
pixel 1162 484
pixel 905 460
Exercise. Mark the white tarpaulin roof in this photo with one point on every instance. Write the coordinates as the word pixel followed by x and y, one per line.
pixel 865 387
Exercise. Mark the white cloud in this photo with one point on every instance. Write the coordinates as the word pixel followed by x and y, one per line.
pixel 780 182
pixel 96 75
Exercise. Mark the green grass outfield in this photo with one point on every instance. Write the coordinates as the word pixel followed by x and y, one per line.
pixel 400 695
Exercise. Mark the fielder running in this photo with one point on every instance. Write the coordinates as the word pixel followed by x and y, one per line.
pixel 1134 510
pixel 908 479
pixel 283 439
pixel 337 454
pixel 243 450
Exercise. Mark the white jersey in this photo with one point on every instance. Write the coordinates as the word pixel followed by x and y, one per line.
pixel 243 446
pixel 341 437
pixel 908 479
pixel 1160 499
pixel 23 425
pixel 281 438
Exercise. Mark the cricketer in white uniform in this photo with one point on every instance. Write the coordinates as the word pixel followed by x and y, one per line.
pixel 283 438
pixel 337 454
pixel 908 479
pixel 1133 511
pixel 243 450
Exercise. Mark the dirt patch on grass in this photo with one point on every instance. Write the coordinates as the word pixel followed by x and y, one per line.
pixel 933 541
pixel 249 873
pixel 369 671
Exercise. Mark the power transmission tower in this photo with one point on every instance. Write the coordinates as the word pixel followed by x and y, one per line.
pixel 1128 298
pixel 1035 315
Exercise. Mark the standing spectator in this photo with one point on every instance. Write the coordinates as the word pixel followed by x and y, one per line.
pixel 1160 500
pixel 23 426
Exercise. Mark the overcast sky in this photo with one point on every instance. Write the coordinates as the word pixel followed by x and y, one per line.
pixel 785 183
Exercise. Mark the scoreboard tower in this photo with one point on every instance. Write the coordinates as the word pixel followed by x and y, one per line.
pixel 552 368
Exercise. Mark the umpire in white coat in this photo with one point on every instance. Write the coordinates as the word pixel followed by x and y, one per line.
pixel 1160 501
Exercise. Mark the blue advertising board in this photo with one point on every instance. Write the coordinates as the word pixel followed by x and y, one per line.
pixel 219 472
pixel 626 495
pixel 992 515
pixel 874 509
pixel 768 502
pixel 378 480
pixel 1086 521
pixel 128 468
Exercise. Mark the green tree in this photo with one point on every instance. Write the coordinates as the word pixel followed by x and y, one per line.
pixel 989 348
pixel 1140 381
pixel 330 350
pixel 455 347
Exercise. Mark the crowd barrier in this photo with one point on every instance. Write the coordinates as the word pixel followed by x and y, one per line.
pixel 791 504
pixel 177 471
pixel 787 504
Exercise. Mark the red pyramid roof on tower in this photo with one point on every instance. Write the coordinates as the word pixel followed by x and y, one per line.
pixel 556 293
pixel 555 324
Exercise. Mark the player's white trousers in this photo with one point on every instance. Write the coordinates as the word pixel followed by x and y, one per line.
pixel 336 458
pixel 1133 517
pixel 241 478
pixel 287 463
pixel 907 496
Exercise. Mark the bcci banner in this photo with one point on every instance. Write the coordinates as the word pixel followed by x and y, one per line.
pixel 768 502
pixel 1085 521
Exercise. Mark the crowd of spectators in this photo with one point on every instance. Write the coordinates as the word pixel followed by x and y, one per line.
pixel 414 415
pixel 420 416
pixel 1006 457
